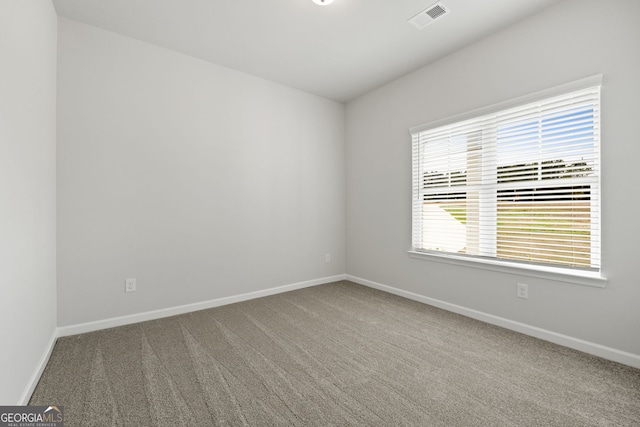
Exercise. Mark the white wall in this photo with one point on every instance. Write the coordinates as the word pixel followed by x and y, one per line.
pixel 199 181
pixel 574 39
pixel 27 192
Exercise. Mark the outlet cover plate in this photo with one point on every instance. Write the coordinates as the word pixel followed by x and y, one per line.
pixel 522 291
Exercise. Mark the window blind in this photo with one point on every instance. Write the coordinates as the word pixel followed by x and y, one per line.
pixel 520 184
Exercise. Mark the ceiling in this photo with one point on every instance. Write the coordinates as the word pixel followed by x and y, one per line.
pixel 338 51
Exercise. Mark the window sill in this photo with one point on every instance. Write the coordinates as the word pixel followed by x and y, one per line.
pixel 542 272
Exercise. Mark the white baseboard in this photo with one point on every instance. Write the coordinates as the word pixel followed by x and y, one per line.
pixel 33 382
pixel 188 308
pixel 609 353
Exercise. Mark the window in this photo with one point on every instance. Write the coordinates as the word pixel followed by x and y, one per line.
pixel 513 185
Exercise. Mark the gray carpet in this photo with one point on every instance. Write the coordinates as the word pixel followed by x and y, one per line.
pixel 332 355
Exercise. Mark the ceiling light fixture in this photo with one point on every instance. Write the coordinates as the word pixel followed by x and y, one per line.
pixel 322 2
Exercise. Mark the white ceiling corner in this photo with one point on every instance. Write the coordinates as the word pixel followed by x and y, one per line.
pixel 338 51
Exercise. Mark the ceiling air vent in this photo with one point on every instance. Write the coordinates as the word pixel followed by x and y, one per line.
pixel 428 15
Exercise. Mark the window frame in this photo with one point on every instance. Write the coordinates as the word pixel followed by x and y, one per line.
pixel 557 273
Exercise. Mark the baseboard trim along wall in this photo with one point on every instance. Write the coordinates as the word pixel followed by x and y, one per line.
pixel 31 386
pixel 609 353
pixel 188 308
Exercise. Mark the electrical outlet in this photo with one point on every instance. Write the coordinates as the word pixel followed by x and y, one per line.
pixel 130 285
pixel 327 257
pixel 522 291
